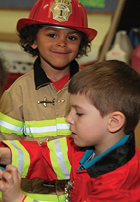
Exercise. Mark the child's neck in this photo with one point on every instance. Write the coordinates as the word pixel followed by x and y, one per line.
pixel 108 143
pixel 56 74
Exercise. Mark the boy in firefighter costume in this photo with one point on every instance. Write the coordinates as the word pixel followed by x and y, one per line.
pixel 105 109
pixel 36 105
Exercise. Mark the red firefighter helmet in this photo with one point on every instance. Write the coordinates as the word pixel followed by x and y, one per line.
pixel 65 13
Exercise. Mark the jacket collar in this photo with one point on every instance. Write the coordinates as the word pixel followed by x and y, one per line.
pixel 41 78
pixel 113 159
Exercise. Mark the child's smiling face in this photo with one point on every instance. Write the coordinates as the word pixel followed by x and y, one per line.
pixel 57 47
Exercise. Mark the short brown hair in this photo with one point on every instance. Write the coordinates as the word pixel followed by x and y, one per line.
pixel 111 86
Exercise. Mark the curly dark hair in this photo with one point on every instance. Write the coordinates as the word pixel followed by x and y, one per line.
pixel 28 36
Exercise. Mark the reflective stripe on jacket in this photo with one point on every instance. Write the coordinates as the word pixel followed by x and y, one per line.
pixel 59 158
pixel 44 198
pixel 34 129
pixel 20 157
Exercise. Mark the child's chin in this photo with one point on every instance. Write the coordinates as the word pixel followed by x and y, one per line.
pixel 79 144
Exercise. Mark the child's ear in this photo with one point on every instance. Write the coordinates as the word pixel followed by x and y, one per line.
pixel 34 45
pixel 116 121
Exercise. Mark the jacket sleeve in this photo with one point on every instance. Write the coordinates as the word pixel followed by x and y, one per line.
pixel 27 157
pixel 11 116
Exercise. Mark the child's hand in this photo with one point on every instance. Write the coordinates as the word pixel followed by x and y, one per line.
pixel 5 156
pixel 10 185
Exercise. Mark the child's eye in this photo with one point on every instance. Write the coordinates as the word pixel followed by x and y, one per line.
pixel 52 35
pixel 72 38
pixel 79 114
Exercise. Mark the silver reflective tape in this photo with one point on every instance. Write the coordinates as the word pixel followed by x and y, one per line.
pixel 40 129
pixel 20 157
pixel 61 159
pixel 10 126
pixel 46 128
pixel 63 126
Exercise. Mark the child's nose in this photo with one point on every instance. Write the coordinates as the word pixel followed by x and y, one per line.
pixel 61 42
pixel 69 119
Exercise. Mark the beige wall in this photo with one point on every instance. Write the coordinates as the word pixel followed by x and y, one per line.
pixel 9 18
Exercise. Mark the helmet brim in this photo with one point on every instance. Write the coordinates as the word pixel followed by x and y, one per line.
pixel 91 33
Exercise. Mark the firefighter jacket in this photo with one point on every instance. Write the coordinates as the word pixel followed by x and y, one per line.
pixel 32 108
pixel 111 176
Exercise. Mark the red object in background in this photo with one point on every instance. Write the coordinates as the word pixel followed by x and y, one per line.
pixel 11 78
pixel 135 59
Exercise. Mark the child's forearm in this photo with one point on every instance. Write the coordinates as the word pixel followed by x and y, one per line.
pixel 5 156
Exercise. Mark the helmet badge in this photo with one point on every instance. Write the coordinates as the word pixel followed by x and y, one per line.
pixel 61 10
